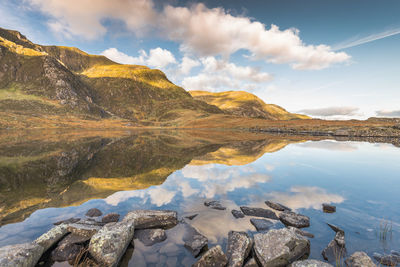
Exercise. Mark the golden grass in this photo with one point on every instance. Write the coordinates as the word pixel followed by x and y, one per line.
pixel 19 49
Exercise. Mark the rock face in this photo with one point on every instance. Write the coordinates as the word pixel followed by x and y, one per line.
pixel 237 214
pixel 145 219
pixel 110 217
pixel 150 237
pixel 359 259
pixel 328 208
pixel 276 206
pixel 214 204
pixel 238 248
pixel 214 257
pixel 94 213
pixel 290 218
pixel 194 241
pixel 110 243
pixel 259 212
pixel 261 224
pixel 280 247
pixel 310 263
pixel 24 255
pixel 52 236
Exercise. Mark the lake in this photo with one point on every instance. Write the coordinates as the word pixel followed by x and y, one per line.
pixel 49 176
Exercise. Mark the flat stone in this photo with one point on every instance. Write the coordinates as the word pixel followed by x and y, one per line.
pixel 261 224
pixel 328 208
pixel 214 257
pixel 110 217
pixel 84 228
pixel 214 204
pixel 237 214
pixel 259 212
pixel 191 217
pixel 388 260
pixel 280 247
pixel 238 248
pixel 310 263
pixel 150 237
pixel 251 263
pixel 145 219
pixel 276 206
pixel 52 236
pixel 194 241
pixel 70 220
pixel 93 213
pixel 290 218
pixel 68 248
pixel 359 259
pixel 335 228
pixel 26 254
pixel 301 232
pixel 333 251
pixel 109 244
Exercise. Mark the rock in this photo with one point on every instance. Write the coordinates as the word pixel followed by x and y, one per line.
pixel 359 259
pixel 259 212
pixel 388 260
pixel 261 224
pixel 335 228
pixel 290 218
pixel 237 214
pixel 145 219
pixel 94 213
pixel 328 208
pixel 27 254
pixel 109 244
pixel 69 248
pixel 194 241
pixel 214 204
pixel 150 237
pixel 339 238
pixel 276 206
pixel 301 232
pixel 251 263
pixel 333 251
pixel 191 217
pixel 280 247
pixel 70 220
pixel 84 228
pixel 110 217
pixel 51 237
pixel 214 257
pixel 238 248
pixel 396 253
pixel 310 263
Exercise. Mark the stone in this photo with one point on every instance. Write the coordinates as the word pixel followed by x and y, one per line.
pixel 328 208
pixel 194 241
pixel 150 237
pixel 359 259
pixel 238 248
pixel 70 220
pixel 310 263
pixel 108 245
pixel 259 212
pixel 276 206
pixel 52 236
pixel 214 257
pixel 388 260
pixel 301 232
pixel 69 248
pixel 237 214
pixel 94 213
pixel 110 217
pixel 24 255
pixel 261 224
pixel 394 252
pixel 280 247
pixel 214 204
pixel 339 238
pixel 145 219
pixel 290 218
pixel 335 228
pixel 251 263
pixel 84 228
pixel 191 217
pixel 333 251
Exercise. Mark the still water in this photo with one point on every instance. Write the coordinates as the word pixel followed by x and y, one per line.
pixel 48 177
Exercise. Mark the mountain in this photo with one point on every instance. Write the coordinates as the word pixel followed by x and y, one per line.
pixel 244 104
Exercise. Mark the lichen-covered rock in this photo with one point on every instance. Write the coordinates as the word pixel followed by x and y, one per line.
pixel 145 219
pixel 280 247
pixel 109 244
pixel 359 259
pixel 276 206
pixel 85 228
pixel 301 232
pixel 194 241
pixel 310 263
pixel 259 212
pixel 51 237
pixel 214 257
pixel 238 248
pixel 150 236
pixel 290 218
pixel 110 217
pixel 261 224
pixel 21 255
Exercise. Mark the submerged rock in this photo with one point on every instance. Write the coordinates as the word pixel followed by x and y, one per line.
pixel 26 254
pixel 150 237
pixel 310 263
pixel 328 208
pixel 110 217
pixel 93 213
pixel 194 241
pixel 145 219
pixel 280 247
pixel 191 217
pixel 52 236
pixel 301 232
pixel 67 221
pixel 290 218
pixel 214 204
pixel 276 206
pixel 237 214
pixel 261 224
pixel 359 259
pixel 259 212
pixel 214 257
pixel 109 244
pixel 238 248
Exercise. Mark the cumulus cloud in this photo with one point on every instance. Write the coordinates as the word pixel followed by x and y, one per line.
pixel 187 65
pixel 331 111
pixel 388 113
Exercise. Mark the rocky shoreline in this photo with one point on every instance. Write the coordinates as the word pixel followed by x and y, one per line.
pixel 103 242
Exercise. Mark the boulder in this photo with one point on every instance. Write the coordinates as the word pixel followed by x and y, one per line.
pixel 24 255
pixel 280 247
pixel 333 251
pixel 109 244
pixel 238 248
pixel 93 213
pixel 328 208
pixel 52 236
pixel 276 206
pixel 145 219
pixel 310 263
pixel 194 241
pixel 70 220
pixel 214 257
pixel 261 224
pixel 214 204
pixel 290 218
pixel 251 263
pixel 85 228
pixel 150 237
pixel 359 259
pixel 237 214
pixel 259 212
pixel 110 217
pixel 301 232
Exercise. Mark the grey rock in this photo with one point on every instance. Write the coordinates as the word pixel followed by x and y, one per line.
pixel 335 228
pixel 259 212
pixel 394 252
pixel 85 228
pixel 280 247
pixel 214 204
pixel 194 241
pixel 301 232
pixel 110 217
pixel 70 220
pixel 276 206
pixel 191 217
pixel 388 260
pixel 214 257
pixel 261 224
pixel 21 255
pixel 251 263
pixel 69 248
pixel 145 219
pixel 238 248
pixel 310 263
pixel 237 214
pixel 339 238
pixel 328 208
pixel 51 237
pixel 94 213
pixel 150 237
pixel 109 244
pixel 333 251
pixel 359 259
pixel 290 218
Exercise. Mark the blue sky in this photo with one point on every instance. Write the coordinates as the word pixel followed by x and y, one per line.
pixel 333 59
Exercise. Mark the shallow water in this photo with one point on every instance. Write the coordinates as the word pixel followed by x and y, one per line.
pixel 45 180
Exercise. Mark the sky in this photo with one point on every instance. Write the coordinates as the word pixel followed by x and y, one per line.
pixel 333 59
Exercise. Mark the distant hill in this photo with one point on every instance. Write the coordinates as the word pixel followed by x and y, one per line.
pixel 244 104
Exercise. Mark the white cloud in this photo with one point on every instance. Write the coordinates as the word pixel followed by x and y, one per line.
pixel 331 111
pixel 188 64
pixel 120 57
pixel 160 58
pixel 388 113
